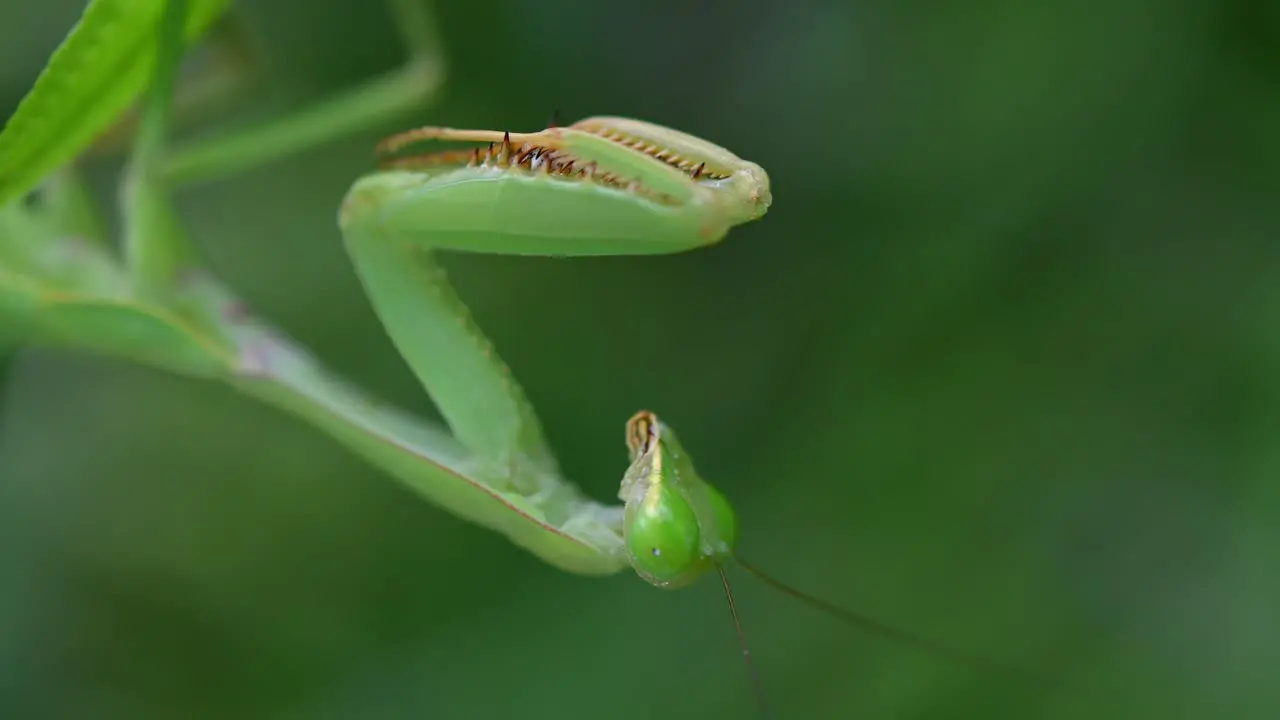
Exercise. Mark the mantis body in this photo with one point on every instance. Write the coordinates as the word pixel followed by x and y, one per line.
pixel 600 186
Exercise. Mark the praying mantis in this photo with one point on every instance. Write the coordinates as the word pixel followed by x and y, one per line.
pixel 601 186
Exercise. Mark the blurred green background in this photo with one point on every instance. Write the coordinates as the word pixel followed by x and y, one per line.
pixel 1000 366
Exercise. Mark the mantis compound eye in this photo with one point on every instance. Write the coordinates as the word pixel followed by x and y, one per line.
pixel 661 533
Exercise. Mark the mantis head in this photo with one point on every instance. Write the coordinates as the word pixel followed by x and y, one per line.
pixel 676 526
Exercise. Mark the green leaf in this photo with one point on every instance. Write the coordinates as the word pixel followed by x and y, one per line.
pixel 91 79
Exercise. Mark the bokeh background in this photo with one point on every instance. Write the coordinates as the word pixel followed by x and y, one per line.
pixel 1000 366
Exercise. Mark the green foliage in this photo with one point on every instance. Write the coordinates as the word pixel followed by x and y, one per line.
pixel 97 72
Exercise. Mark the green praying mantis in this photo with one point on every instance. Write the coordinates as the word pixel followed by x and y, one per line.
pixel 600 186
